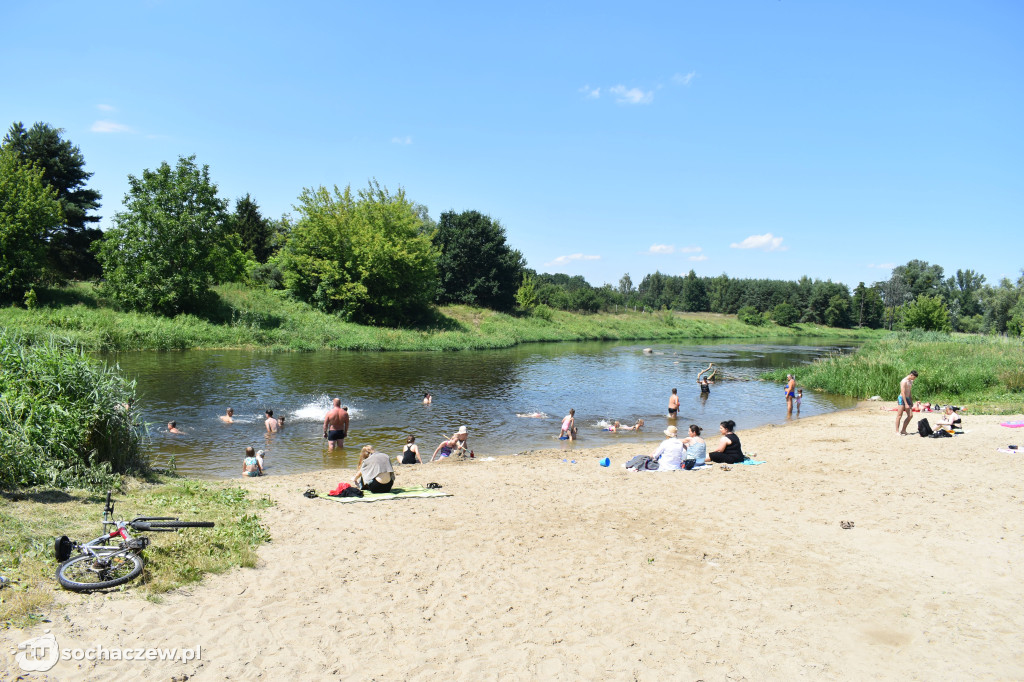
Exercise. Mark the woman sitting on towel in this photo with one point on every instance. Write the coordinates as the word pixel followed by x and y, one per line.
pixel 728 450
pixel 949 418
pixel 696 448
pixel 670 453
pixel 376 474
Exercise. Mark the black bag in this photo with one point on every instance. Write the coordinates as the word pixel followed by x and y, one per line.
pixel 941 434
pixel 924 428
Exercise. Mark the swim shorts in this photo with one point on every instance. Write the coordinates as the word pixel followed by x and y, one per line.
pixel 672 411
pixel 336 434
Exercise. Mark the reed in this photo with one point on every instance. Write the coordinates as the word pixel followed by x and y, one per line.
pixel 981 371
pixel 64 419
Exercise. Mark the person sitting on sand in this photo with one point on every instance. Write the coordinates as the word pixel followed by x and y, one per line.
pixel 251 465
pixel 729 450
pixel 411 452
pixel 949 418
pixel 260 457
pixel 696 448
pixel 172 427
pixel 568 426
pixel 375 474
pixel 228 418
pixel 456 445
pixel 669 454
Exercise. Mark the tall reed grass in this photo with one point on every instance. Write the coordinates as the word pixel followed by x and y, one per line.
pixel 982 371
pixel 65 420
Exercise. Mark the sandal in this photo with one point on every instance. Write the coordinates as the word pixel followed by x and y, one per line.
pixel 433 486
pixel 310 493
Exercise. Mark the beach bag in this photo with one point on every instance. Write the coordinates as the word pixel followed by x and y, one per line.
pixel 924 428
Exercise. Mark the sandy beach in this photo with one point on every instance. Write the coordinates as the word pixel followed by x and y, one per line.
pixel 538 568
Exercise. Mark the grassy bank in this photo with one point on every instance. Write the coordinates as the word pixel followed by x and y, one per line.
pixel 31 519
pixel 984 373
pixel 245 317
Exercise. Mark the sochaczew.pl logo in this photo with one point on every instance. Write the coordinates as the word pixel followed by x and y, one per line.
pixel 39 654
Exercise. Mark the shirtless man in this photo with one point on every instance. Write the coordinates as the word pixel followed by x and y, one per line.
pixel 172 427
pixel 228 418
pixel 905 403
pixel 790 393
pixel 336 425
pixel 272 424
pixel 673 404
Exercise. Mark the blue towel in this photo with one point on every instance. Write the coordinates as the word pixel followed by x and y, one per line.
pixel 753 462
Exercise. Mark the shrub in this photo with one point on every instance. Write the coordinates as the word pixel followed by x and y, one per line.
pixel 749 315
pixel 785 315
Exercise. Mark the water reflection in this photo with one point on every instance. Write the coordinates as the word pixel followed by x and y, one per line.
pixel 484 390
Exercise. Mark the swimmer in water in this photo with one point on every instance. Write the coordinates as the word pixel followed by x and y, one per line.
pixel 635 427
pixel 172 427
pixel 228 418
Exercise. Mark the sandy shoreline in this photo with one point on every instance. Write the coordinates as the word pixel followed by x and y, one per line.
pixel 542 569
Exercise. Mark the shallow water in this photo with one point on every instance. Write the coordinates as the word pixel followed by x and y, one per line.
pixel 511 400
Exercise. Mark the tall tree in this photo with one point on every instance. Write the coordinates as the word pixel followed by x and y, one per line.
pixel 28 209
pixel 867 307
pixel 361 255
pixel 68 245
pixel 921 278
pixel 626 285
pixel 255 232
pixel 475 265
pixel 694 296
pixel 170 243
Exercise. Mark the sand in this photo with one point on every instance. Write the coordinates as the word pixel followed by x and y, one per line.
pixel 542 569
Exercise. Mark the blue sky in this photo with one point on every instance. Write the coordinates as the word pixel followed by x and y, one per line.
pixel 769 138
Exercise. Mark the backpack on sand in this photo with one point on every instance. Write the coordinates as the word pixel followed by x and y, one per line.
pixel 924 428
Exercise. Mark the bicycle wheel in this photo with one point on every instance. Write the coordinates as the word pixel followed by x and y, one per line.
pixel 180 524
pixel 85 573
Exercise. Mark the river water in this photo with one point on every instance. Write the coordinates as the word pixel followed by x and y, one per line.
pixel 490 392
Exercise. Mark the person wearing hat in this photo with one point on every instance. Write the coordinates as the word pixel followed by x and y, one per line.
pixel 669 454
pixel 452 446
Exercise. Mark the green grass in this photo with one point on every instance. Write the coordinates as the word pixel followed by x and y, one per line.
pixel 983 372
pixel 31 519
pixel 253 318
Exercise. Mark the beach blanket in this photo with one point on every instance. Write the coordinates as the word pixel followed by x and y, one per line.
pixel 395 494
pixel 1013 425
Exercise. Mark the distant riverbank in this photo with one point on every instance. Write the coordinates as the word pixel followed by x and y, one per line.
pixel 260 319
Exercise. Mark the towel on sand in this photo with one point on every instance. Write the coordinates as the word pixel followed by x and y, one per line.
pixel 395 494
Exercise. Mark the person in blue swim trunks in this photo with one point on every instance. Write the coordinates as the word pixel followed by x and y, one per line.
pixel 905 402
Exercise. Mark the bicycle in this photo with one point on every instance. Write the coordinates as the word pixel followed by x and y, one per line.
pixel 100 564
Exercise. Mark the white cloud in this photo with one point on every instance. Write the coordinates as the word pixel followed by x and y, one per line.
pixel 680 79
pixel 402 140
pixel 690 249
pixel 698 257
pixel 624 95
pixel 565 260
pixel 763 242
pixel 110 127
pixel 662 248
pixel 105 107
pixel 592 93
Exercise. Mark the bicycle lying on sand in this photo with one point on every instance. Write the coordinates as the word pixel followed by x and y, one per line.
pixel 100 562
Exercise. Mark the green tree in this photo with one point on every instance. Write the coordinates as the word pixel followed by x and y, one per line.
pixel 920 277
pixel 694 296
pixel 28 210
pixel 169 244
pixel 362 256
pixel 867 308
pixel 475 264
pixel 928 313
pixel 256 233
pixel 626 285
pixel 837 314
pixel 785 315
pixel 526 295
pixel 749 315
pixel 68 244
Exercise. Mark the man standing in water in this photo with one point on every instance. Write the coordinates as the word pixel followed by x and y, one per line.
pixel 673 404
pixel 905 403
pixel 336 425
pixel 271 423
pixel 790 393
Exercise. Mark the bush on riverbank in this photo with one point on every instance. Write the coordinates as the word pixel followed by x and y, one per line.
pixel 983 372
pixel 249 317
pixel 30 519
pixel 64 419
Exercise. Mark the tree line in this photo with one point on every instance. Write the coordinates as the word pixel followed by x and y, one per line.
pixel 376 257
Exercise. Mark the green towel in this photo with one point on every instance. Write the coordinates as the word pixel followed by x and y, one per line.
pixel 395 494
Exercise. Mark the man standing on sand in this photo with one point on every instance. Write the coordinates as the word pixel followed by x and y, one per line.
pixel 673 404
pixel 905 403
pixel 336 425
